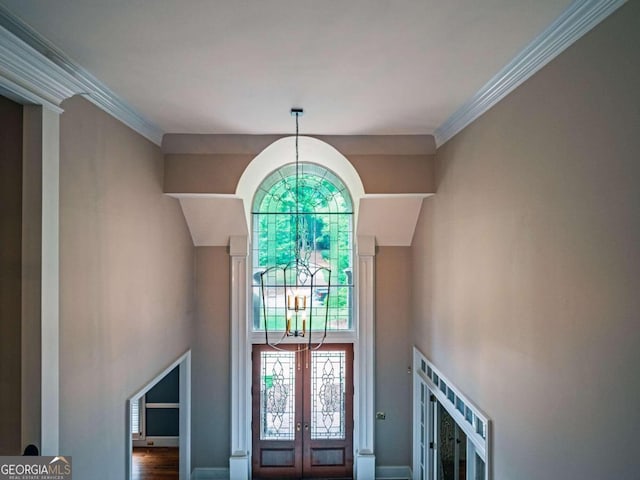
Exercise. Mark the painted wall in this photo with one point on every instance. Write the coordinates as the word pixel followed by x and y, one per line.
pixel 393 356
pixel 162 422
pixel 387 174
pixel 380 173
pixel 210 361
pixel 527 266
pixel 126 282
pixel 10 276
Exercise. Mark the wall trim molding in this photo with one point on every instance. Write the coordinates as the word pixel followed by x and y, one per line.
pixel 402 472
pixel 580 17
pixel 29 76
pixel 34 70
pixel 157 442
pixel 364 368
pixel 240 459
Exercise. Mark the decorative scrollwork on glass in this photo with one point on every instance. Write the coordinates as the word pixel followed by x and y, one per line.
pixel 328 395
pixel 277 395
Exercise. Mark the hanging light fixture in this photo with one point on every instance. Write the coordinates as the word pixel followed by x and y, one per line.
pixel 296 281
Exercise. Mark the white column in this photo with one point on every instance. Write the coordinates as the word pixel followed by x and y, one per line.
pixel 41 172
pixel 239 462
pixel 364 408
pixel 50 281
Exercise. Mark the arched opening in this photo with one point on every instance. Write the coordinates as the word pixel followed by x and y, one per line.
pixel 267 171
pixel 313 151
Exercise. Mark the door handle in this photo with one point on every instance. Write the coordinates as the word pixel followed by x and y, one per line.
pixel 306 427
pixel 298 427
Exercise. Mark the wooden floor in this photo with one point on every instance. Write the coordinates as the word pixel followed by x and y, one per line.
pixel 158 463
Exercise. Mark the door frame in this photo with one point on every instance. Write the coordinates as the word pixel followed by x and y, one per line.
pixel 184 438
pixel 303 444
pixel 431 388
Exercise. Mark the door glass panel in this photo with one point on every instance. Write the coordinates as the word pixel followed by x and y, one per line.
pixel 479 468
pixel 461 440
pixel 328 395
pixel 277 395
pixel 446 436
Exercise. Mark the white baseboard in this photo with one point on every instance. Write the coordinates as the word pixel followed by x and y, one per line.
pixel 158 442
pixel 382 473
pixel 220 473
pixel 401 472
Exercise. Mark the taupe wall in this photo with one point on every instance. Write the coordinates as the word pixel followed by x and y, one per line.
pixel 527 263
pixel 220 173
pixel 126 282
pixel 395 173
pixel 188 173
pixel 210 396
pixel 10 275
pixel 393 355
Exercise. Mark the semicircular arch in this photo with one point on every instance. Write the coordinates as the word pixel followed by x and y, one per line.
pixel 282 152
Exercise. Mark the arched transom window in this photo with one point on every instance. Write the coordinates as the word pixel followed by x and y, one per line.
pixel 325 238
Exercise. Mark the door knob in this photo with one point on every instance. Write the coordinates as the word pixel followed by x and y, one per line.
pixel 298 427
pixel 306 427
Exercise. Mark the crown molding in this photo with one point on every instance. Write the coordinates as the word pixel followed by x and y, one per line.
pixel 30 76
pixel 580 17
pixel 34 70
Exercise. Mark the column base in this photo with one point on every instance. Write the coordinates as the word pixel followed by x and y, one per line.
pixel 239 467
pixel 365 467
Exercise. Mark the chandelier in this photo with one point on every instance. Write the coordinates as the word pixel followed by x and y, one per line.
pixel 296 283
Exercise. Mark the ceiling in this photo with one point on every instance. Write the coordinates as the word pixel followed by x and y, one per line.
pixel 229 66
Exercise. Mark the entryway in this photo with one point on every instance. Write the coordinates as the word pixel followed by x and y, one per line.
pixel 170 416
pixel 302 421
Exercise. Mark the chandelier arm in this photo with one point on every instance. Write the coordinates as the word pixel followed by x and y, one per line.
pixel 264 313
pixel 313 276
pixel 264 307
pixel 326 310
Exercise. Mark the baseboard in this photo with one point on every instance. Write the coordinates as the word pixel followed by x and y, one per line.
pixel 382 473
pixel 401 472
pixel 219 473
pixel 158 442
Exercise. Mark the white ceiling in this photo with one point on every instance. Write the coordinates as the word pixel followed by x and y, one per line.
pixel 231 66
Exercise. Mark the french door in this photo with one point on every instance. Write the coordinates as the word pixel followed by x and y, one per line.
pixel 302 421
pixel 451 447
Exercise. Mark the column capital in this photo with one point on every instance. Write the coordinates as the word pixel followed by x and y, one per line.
pixel 238 245
pixel 366 246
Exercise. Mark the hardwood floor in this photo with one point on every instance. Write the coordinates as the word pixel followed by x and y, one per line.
pixel 158 463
